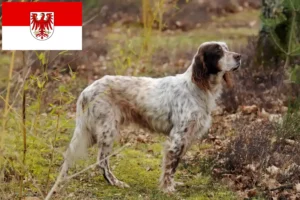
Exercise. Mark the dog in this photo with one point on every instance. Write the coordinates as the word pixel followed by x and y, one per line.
pixel 179 106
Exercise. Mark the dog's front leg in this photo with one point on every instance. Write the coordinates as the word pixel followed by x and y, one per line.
pixel 178 143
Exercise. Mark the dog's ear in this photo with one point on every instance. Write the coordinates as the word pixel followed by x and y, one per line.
pixel 200 72
pixel 228 79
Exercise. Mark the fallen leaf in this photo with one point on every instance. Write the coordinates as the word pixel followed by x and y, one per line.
pixel 270 183
pixel 249 109
pixel 142 139
pixel 264 114
pixel 273 170
pixel 284 109
pixel 251 167
pixel 252 23
pixel 290 142
pixel 297 187
pixel 252 193
pixel 275 118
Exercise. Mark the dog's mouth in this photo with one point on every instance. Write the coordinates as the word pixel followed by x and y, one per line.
pixel 237 66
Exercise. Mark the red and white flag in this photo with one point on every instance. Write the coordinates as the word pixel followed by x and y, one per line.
pixel 41 26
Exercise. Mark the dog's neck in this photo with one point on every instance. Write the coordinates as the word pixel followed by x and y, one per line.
pixel 214 80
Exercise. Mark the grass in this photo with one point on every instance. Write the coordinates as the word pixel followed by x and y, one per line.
pixel 246 16
pixel 290 127
pixel 178 41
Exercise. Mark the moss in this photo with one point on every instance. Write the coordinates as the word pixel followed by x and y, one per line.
pixel 140 168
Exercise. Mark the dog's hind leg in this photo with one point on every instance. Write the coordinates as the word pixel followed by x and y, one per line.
pixel 107 132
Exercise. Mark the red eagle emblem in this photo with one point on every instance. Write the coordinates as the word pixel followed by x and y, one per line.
pixel 42 24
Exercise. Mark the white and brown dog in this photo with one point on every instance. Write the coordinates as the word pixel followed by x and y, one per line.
pixel 179 106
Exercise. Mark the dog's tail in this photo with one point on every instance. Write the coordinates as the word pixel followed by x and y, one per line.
pixel 77 148
pixel 82 137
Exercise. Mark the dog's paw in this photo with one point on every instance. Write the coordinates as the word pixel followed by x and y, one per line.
pixel 121 184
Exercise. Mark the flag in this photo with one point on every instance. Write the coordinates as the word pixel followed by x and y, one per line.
pixel 42 26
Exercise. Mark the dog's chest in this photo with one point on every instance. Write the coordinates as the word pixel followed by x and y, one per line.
pixel 206 124
pixel 159 119
pixel 204 117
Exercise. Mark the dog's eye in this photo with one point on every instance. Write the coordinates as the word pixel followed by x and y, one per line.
pixel 219 49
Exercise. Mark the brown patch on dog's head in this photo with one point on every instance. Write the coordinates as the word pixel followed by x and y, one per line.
pixel 206 62
pixel 200 75
pixel 212 58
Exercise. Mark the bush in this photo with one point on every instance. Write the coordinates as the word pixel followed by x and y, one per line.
pixel 290 129
pixel 263 156
pixel 252 145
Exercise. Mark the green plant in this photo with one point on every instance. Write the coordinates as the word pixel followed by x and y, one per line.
pixel 284 30
pixel 6 107
pixel 290 127
pixel 32 129
pixel 140 51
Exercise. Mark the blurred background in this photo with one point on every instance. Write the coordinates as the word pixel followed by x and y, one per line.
pixel 252 149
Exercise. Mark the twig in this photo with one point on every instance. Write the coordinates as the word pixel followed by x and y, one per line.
pixel 97 163
pixel 34 136
pixel 282 187
pixel 287 61
pixel 36 186
pixel 8 84
pixel 53 146
pixel 22 86
pixel 18 74
pixel 276 43
pixel 91 19
pixel 4 194
pixel 6 101
pixel 295 50
pixel 23 126
pixel 24 112
pixel 59 178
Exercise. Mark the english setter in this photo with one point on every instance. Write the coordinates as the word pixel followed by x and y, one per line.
pixel 179 106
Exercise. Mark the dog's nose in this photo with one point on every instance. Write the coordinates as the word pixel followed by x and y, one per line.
pixel 237 57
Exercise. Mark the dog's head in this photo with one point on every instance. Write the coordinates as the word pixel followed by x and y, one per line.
pixel 213 58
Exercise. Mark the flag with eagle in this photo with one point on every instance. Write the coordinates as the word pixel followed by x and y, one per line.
pixel 42 26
